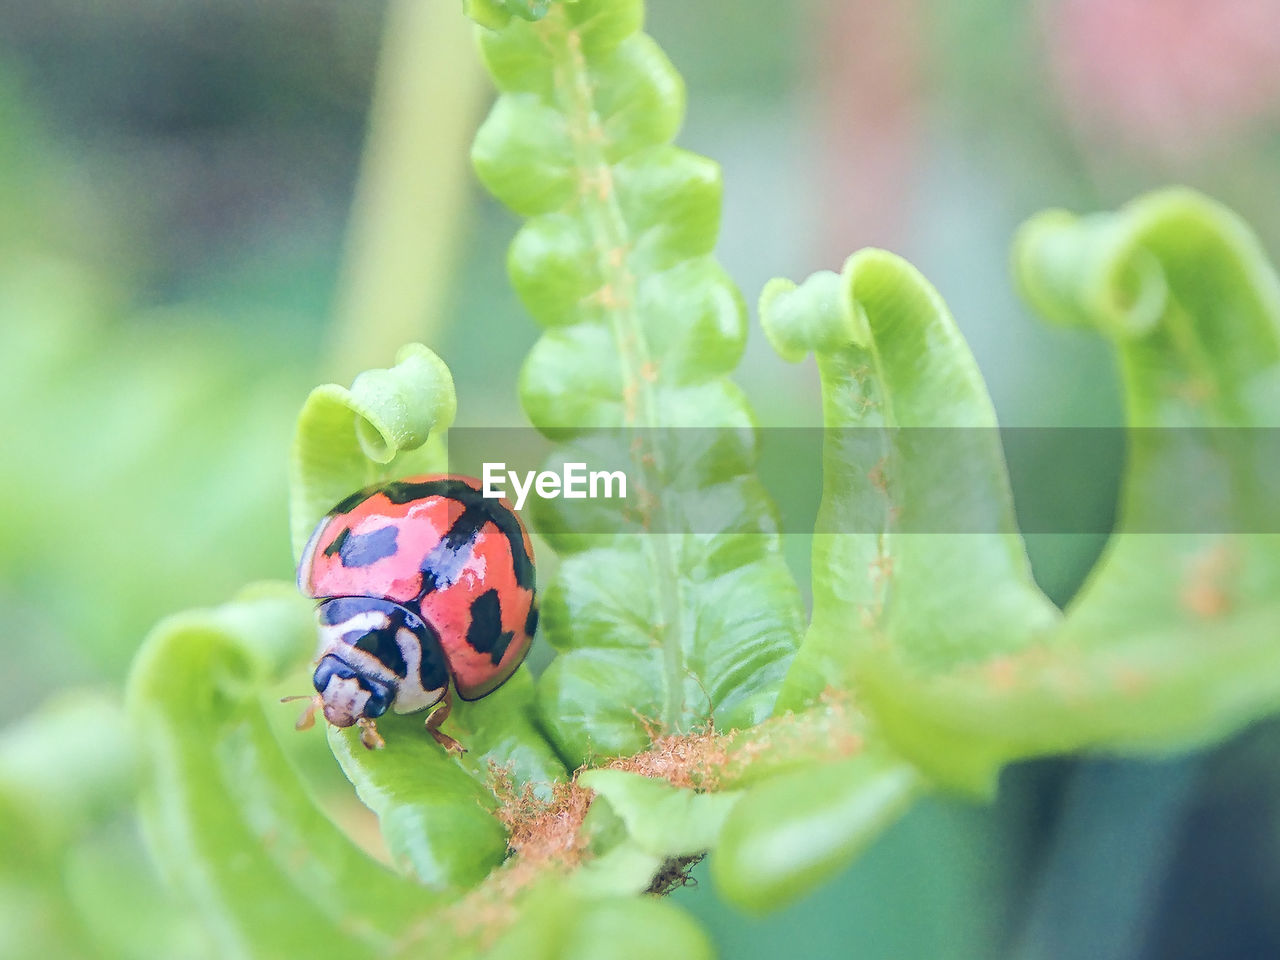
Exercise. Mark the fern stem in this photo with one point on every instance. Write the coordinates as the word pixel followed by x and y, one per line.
pixel 612 243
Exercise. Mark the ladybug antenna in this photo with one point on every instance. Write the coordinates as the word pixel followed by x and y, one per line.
pixel 308 718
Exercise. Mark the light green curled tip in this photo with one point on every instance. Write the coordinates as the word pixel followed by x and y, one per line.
pixel 819 315
pixel 496 14
pixel 235 826
pixel 487 13
pixel 267 624
pixel 1106 270
pixel 910 447
pixel 1080 271
pixel 400 407
pixel 388 424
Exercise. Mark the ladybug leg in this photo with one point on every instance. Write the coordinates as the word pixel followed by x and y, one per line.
pixel 437 717
pixel 369 735
pixel 307 719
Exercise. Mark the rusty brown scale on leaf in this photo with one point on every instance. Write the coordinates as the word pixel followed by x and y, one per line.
pixel 545 834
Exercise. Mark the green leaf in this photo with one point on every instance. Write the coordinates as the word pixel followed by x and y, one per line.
pixel 895 605
pixel 617 865
pixel 558 924
pixel 437 812
pixel 235 827
pixel 694 619
pixel 1176 629
pixel 791 832
pixel 663 820
pixel 1169 644
pixel 636 929
pixel 1171 641
pixel 389 424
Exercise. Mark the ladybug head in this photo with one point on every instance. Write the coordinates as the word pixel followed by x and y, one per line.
pixel 366 647
pixel 349 694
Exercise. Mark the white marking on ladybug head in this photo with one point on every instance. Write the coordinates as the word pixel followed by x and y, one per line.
pixel 344 701
pixel 366 621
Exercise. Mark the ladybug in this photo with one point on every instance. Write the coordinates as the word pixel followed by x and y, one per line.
pixel 425 586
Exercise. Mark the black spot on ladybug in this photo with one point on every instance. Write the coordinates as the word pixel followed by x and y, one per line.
pixel 403 491
pixel 382 645
pixel 531 621
pixel 485 633
pixel 337 542
pixel 364 549
pixel 433 668
pixel 353 500
pixel 443 565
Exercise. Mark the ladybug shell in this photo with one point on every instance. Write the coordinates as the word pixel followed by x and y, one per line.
pixel 436 546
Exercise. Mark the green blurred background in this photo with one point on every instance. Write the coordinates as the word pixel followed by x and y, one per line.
pixel 181 259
